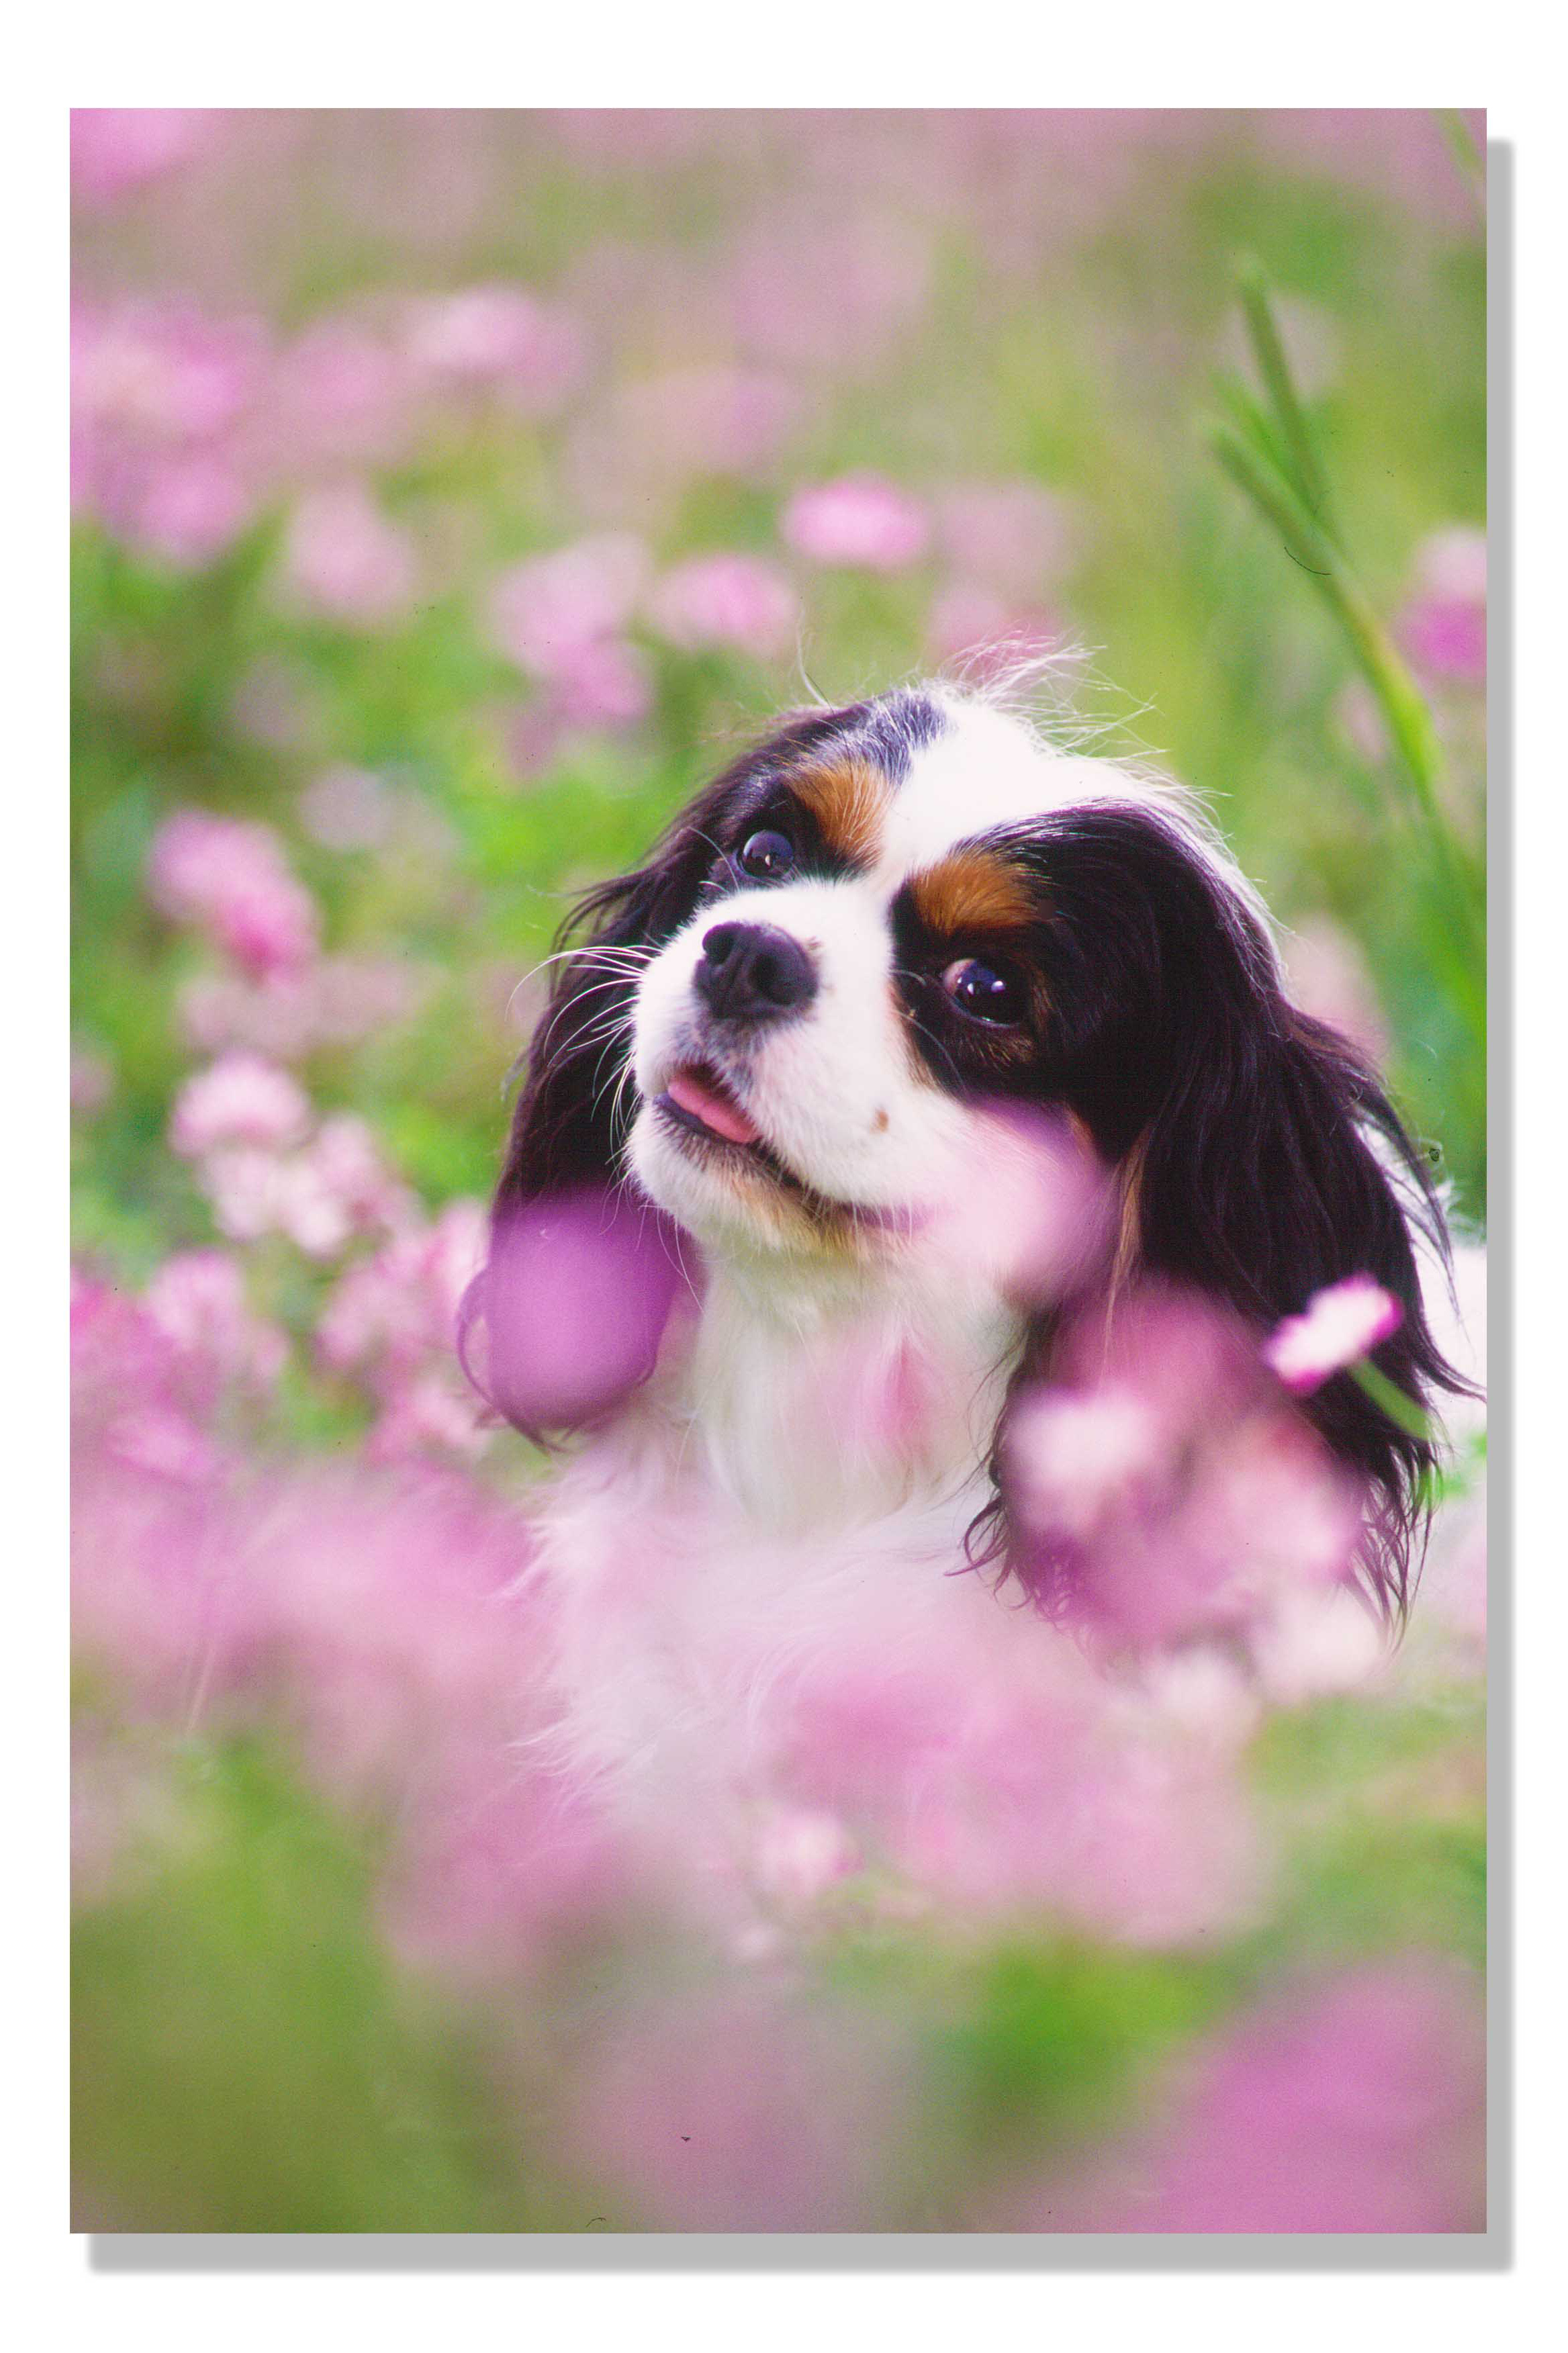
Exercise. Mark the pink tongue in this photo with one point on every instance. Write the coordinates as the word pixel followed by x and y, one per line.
pixel 715 1110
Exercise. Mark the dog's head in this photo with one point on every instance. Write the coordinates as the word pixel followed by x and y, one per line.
pixel 888 926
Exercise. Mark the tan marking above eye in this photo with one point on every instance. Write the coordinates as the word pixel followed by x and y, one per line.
pixel 849 799
pixel 973 890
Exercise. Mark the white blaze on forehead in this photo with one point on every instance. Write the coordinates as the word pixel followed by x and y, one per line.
pixel 985 770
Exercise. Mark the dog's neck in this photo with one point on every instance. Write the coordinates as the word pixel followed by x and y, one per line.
pixel 817 1395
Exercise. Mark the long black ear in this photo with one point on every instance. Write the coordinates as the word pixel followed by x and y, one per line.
pixel 1261 1158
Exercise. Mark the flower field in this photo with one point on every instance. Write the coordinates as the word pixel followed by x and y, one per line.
pixel 451 494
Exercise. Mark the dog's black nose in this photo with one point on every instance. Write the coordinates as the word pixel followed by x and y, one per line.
pixel 754 972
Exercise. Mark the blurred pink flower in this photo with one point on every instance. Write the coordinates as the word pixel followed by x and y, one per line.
pixel 573 1307
pixel 1358 2105
pixel 1341 1323
pixel 189 510
pixel 253 1192
pixel 860 521
pixel 162 375
pixel 342 558
pixel 1162 1490
pixel 1027 1207
pixel 339 394
pixel 1443 626
pixel 1056 1791
pixel 801 1853
pixel 347 809
pixel 115 149
pixel 726 600
pixel 198 1299
pixel 431 1412
pixel 601 685
pixel 547 612
pixel 91 1082
pixel 240 1100
pixel 346 1160
pixel 335 1001
pixel 977 622
pixel 391 1312
pixel 1329 977
pixel 1013 537
pixel 502 338
pixel 231 879
pixel 163 1440
pixel 705 420
pixel 1075 1457
pixel 828 291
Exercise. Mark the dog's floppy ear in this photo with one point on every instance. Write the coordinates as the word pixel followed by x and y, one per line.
pixel 573 1116
pixel 568 1315
pixel 1260 1158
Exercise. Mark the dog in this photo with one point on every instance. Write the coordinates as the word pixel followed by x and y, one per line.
pixel 899 955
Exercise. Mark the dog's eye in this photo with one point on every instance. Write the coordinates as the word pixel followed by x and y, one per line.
pixel 768 857
pixel 983 993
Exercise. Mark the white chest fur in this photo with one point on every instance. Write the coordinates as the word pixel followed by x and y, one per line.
pixel 798 1494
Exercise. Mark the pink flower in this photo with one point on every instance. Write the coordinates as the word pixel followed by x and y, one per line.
pixel 573 1307
pixel 346 1161
pixel 241 1100
pixel 190 510
pixel 801 1853
pixel 1011 536
pixel 391 1313
pixel 546 613
pixel 503 338
pixel 726 600
pixel 1443 626
pixel 335 1001
pixel 1342 1324
pixel 714 420
pixel 338 393
pixel 860 520
pixel 161 1439
pixel 604 685
pixel 432 1412
pixel 1163 1490
pixel 161 376
pixel 1329 977
pixel 342 558
pixel 977 622
pixel 91 1082
pixel 245 1189
pixel 232 880
pixel 1026 1207
pixel 115 149
pixel 197 1300
pixel 1073 1458
pixel 1357 2105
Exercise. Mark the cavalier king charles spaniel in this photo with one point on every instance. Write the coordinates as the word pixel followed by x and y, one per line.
pixel 917 1048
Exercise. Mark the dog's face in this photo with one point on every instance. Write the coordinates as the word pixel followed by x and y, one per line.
pixel 856 974
pixel 876 956
pixel 886 932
